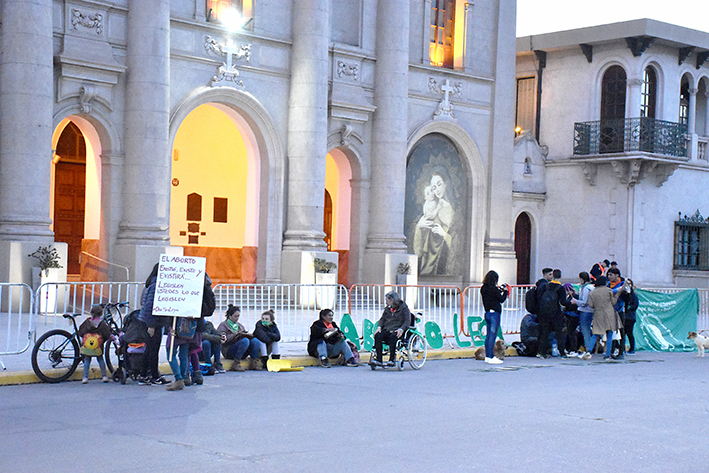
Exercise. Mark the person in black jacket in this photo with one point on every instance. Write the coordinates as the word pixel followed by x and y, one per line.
pixel 630 298
pixel 394 321
pixel 492 296
pixel 327 340
pixel 212 347
pixel 551 298
pixel 267 333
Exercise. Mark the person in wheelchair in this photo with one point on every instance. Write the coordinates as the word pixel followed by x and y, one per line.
pixel 391 327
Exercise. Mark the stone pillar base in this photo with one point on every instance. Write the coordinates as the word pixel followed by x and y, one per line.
pixel 139 259
pixel 297 266
pixel 500 257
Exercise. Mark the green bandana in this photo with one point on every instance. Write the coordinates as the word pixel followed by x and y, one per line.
pixel 266 323
pixel 234 326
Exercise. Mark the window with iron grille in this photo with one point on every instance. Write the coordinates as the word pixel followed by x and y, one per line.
pixel 691 242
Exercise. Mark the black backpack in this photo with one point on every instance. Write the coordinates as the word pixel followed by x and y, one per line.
pixel 548 300
pixel 209 302
pixel 530 301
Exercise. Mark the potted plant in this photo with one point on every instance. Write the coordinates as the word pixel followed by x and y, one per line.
pixel 46 271
pixel 323 266
pixel 403 271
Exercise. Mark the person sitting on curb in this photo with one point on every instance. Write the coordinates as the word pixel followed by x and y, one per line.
pixel 394 321
pixel 268 335
pixel 237 343
pixel 327 340
pixel 212 347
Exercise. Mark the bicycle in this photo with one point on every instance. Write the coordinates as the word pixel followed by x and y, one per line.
pixel 56 354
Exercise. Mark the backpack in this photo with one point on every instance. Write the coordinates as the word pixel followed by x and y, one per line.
pixel 549 300
pixel 530 301
pixel 186 328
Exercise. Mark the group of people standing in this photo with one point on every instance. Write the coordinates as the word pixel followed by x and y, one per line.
pixel 605 306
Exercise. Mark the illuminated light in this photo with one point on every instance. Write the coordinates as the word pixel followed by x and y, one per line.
pixel 231 19
pixel 518 130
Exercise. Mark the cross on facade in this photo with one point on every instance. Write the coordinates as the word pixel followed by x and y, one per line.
pixel 447 89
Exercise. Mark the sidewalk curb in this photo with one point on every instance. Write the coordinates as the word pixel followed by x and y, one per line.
pixel 12 378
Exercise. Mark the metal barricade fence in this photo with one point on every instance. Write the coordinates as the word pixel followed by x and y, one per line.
pixel 513 310
pixel 57 298
pixel 16 309
pixel 437 303
pixel 296 306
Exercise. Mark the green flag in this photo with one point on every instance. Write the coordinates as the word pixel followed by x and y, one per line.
pixel 664 320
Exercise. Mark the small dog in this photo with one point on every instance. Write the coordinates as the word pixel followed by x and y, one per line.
pixel 498 350
pixel 701 341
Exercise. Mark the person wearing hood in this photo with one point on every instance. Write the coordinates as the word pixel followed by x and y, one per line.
pixel 151 372
pixel 394 321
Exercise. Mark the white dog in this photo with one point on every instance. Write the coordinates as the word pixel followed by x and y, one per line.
pixel 701 341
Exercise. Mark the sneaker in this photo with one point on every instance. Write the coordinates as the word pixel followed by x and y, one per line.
pixel 198 379
pixel 85 381
pixel 572 354
pixel 630 353
pixel 352 362
pixel 564 357
pixel 188 380
pixel 543 357
pixel 176 385
pixel 325 363
pixel 618 357
pixel 607 358
pixel 494 360
pixel 585 356
pixel 220 368
pixel 105 379
pixel 161 381
pixel 391 363
pixel 144 381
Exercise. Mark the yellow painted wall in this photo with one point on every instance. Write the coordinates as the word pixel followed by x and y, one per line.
pixel 209 158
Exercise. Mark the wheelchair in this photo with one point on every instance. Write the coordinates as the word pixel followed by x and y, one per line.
pixel 411 347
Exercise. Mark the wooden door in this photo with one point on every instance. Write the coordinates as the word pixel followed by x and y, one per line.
pixel 69 202
pixel 523 248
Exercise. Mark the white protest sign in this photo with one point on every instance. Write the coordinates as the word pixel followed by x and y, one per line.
pixel 179 287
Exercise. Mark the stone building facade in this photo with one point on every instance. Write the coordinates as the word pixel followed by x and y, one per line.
pixel 366 132
pixel 622 115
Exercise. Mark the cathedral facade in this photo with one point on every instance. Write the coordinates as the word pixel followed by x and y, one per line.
pixel 260 134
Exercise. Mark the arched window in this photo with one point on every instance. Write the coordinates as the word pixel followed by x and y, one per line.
pixel 613 91
pixel 442 30
pixel 684 102
pixel 648 94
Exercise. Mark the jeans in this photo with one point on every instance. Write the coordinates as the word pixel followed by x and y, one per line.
pixel 152 353
pixel 571 322
pixel 585 319
pixel 87 365
pixel 609 343
pixel 492 321
pixel 243 348
pixel 332 350
pixel 209 350
pixel 629 325
pixel 179 362
pixel 266 349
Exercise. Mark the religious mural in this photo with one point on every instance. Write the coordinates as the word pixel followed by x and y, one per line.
pixel 436 206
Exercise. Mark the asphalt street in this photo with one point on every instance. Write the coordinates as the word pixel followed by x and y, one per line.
pixel 646 414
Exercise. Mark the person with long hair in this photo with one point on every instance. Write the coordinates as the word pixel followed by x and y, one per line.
pixel 630 298
pixel 492 296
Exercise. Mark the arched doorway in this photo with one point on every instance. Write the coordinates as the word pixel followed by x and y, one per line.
pixel 337 209
pixel 215 192
pixel 523 248
pixel 70 193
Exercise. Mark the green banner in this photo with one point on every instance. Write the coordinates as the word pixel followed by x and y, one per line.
pixel 664 320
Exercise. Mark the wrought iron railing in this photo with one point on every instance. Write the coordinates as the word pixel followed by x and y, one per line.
pixel 628 135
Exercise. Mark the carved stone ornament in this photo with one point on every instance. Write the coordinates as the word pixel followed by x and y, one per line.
pixel 86 96
pixel 445 108
pixel 344 69
pixel 346 132
pixel 227 71
pixel 87 20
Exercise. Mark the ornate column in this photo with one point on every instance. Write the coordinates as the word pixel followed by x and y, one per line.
pixel 634 97
pixel 691 124
pixel 26 101
pixel 389 138
pixel 146 185
pixel 307 142
pixel 307 126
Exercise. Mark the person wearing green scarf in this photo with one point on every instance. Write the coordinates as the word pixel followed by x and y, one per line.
pixel 237 343
pixel 268 335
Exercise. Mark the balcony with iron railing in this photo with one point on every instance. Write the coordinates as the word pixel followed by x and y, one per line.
pixel 630 135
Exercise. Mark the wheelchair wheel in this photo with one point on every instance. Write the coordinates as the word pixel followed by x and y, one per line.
pixel 400 363
pixel 416 351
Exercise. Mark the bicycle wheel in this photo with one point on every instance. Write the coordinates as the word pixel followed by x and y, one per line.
pixel 416 351
pixel 55 356
pixel 110 353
